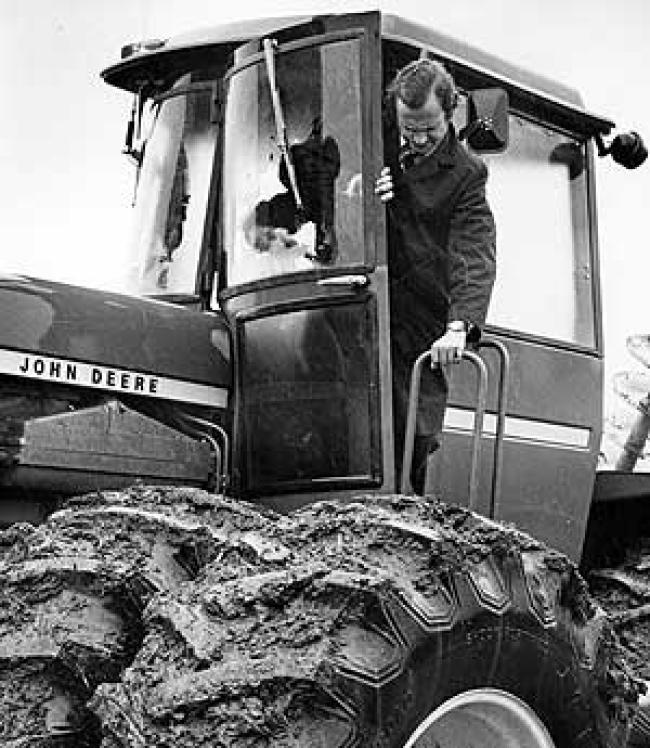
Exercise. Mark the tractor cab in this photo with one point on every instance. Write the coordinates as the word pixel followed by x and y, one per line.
pixel 257 146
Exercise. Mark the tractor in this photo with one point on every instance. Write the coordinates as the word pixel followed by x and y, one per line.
pixel 206 539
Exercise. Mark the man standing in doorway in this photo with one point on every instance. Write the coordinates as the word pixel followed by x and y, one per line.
pixel 441 247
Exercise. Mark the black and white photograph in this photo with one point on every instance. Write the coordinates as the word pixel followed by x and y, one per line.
pixel 324 374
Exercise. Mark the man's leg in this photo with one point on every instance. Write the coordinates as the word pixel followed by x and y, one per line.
pixel 423 447
pixel 428 432
pixel 428 427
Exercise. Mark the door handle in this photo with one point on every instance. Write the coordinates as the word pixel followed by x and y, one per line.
pixel 353 281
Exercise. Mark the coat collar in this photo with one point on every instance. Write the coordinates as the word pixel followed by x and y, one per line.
pixel 444 157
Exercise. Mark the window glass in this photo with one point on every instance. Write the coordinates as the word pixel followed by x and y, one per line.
pixel 172 194
pixel 537 190
pixel 307 388
pixel 265 234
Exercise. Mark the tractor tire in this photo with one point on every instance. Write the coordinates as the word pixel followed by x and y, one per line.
pixel 622 588
pixel 389 622
pixel 71 600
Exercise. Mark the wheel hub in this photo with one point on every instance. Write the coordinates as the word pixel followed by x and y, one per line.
pixel 481 718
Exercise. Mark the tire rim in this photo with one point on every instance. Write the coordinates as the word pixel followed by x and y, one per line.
pixel 481 718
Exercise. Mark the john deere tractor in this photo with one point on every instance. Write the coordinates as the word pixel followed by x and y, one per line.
pixel 205 541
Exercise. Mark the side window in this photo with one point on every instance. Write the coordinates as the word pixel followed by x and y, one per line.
pixel 172 193
pixel 538 192
pixel 319 104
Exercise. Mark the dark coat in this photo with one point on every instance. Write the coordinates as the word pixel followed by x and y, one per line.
pixel 441 246
pixel 441 264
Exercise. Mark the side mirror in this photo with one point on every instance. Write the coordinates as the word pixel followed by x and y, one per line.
pixel 627 149
pixel 487 120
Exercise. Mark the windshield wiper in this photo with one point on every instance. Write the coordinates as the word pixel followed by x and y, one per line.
pixel 281 128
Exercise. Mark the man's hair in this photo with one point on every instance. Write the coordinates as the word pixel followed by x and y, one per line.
pixel 413 84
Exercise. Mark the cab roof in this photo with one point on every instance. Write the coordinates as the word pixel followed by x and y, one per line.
pixel 159 57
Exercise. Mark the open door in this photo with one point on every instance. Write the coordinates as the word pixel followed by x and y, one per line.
pixel 305 285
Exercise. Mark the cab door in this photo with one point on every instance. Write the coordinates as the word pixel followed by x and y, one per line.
pixel 305 269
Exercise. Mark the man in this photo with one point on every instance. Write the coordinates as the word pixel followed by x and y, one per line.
pixel 441 247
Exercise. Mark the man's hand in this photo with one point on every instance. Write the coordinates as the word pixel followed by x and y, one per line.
pixel 384 185
pixel 448 349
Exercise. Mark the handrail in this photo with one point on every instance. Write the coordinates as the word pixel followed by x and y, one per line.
pixel 502 404
pixel 409 437
pixel 481 396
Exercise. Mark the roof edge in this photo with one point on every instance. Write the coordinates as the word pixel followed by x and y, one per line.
pixel 397 28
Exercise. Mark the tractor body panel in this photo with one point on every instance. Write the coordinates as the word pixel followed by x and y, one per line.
pixel 96 390
pixel 82 337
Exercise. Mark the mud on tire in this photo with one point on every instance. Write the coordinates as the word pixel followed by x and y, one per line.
pixel 201 622
pixel 71 601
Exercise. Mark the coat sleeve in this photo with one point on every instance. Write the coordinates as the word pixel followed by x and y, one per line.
pixel 472 251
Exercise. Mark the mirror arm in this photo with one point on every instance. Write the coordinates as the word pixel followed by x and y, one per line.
pixel 603 150
pixel 130 129
pixel 134 129
pixel 470 129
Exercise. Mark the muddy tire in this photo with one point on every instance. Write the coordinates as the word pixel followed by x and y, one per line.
pixel 348 626
pixel 341 625
pixel 71 602
pixel 622 588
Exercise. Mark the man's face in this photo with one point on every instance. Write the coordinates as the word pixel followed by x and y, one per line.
pixel 422 129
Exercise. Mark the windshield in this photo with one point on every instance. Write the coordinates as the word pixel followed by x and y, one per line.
pixel 286 215
pixel 172 194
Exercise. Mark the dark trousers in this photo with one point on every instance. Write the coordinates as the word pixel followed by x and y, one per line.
pixel 429 420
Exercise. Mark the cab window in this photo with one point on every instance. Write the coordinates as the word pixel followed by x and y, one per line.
pixel 319 102
pixel 537 190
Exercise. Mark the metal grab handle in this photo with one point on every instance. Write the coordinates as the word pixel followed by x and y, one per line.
pixel 409 437
pixel 353 281
pixel 502 404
